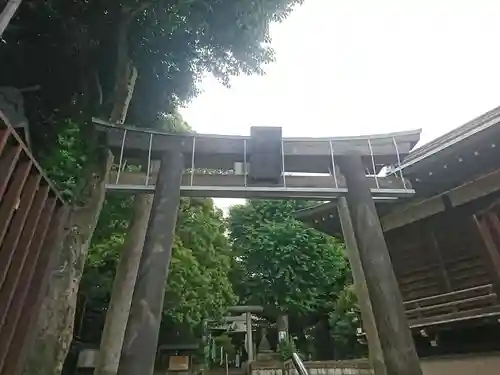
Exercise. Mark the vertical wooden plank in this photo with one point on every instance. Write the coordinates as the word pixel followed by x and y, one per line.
pixel 4 137
pixel 9 246
pixel 25 279
pixel 7 166
pixel 9 202
pixel 375 349
pixel 489 252
pixel 12 357
pixel 141 336
pixel 443 278
pixel 22 252
pixel 400 356
pixel 495 225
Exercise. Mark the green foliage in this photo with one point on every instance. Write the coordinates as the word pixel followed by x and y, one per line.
pixel 345 320
pixel 225 342
pixel 282 263
pixel 198 285
pixel 107 242
pixel 66 163
pixel 172 44
pixel 286 348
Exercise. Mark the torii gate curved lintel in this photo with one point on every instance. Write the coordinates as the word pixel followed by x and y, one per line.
pixel 223 166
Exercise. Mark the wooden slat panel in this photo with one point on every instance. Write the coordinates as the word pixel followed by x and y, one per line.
pixel 9 246
pixel 11 199
pixel 7 166
pixel 490 252
pixel 455 316
pixel 16 269
pixel 24 333
pixel 459 294
pixel 416 277
pixel 4 137
pixel 25 215
pixel 23 305
pixel 471 263
pixel 421 270
pixel 488 299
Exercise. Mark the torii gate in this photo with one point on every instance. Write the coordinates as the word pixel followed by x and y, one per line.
pixel 266 165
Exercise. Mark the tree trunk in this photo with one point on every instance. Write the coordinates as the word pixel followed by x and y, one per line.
pixel 7 14
pixel 126 275
pixel 126 75
pixel 55 323
pixel 123 288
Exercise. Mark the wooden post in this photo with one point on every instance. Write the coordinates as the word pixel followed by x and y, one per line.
pixel 7 14
pixel 248 316
pixel 490 253
pixel 141 336
pixel 398 348
pixel 123 288
pixel 358 274
pixel 282 326
pixel 435 251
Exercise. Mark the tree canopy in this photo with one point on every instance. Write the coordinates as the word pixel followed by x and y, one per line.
pixel 82 49
pixel 198 285
pixel 283 264
pixel 81 55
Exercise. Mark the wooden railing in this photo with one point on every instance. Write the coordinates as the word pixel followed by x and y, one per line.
pixel 32 216
pixel 354 367
pixel 470 303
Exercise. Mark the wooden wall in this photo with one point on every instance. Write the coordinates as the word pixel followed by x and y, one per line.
pixel 32 216
pixel 443 266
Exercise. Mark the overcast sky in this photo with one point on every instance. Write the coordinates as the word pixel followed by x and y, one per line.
pixel 351 67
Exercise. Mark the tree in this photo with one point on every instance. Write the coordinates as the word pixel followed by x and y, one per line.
pixel 282 264
pixel 345 325
pixel 99 57
pixel 198 286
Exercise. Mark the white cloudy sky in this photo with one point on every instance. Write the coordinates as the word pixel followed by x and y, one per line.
pixel 350 67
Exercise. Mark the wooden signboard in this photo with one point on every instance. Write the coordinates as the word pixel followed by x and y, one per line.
pixel 178 363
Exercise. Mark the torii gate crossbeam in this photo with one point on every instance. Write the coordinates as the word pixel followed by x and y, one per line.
pixel 220 165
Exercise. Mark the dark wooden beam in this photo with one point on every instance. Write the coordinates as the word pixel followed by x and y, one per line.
pixel 306 155
pixel 206 179
pixel 490 251
pixel 468 192
pixel 141 335
pixel 436 253
pixel 369 323
pixel 454 317
pixel 396 341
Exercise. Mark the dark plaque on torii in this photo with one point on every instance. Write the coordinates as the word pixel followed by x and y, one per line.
pixel 265 155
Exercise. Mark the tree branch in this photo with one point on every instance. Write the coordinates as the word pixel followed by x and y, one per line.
pixel 7 14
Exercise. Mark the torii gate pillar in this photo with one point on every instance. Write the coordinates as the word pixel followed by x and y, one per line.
pixel 141 336
pixel 389 326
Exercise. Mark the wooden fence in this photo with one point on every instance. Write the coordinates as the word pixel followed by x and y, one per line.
pixel 348 367
pixel 32 216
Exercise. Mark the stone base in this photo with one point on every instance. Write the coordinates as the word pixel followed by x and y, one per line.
pixel 267 357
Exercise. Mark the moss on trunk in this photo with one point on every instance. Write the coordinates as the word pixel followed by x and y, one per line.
pixel 54 330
